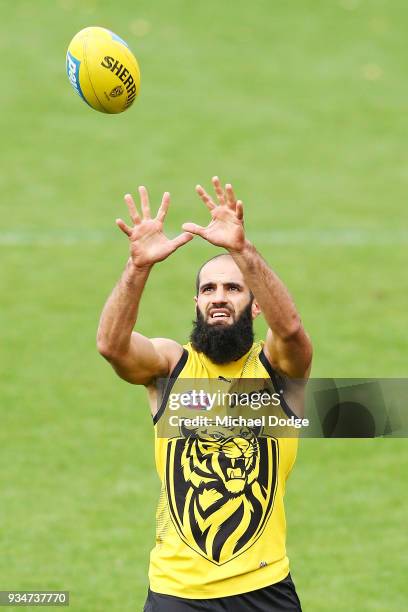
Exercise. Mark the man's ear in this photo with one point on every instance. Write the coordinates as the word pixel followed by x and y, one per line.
pixel 195 298
pixel 255 308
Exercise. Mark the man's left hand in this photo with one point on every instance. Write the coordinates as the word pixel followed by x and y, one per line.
pixel 226 228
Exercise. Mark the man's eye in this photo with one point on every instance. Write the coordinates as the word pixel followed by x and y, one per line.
pixel 207 289
pixel 234 288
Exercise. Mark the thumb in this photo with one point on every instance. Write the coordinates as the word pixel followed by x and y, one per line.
pixel 181 239
pixel 193 228
pixel 125 228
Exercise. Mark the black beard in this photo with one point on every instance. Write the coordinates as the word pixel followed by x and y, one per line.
pixel 223 343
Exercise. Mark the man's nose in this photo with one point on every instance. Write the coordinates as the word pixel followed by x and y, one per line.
pixel 219 296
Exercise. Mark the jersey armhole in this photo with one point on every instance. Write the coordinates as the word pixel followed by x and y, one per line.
pixel 278 383
pixel 170 383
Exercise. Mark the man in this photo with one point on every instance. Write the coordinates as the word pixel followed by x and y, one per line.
pixel 220 542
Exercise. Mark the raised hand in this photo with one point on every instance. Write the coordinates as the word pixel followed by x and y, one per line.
pixel 226 228
pixel 148 243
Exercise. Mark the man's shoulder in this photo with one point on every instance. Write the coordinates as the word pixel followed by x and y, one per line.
pixel 167 345
pixel 170 349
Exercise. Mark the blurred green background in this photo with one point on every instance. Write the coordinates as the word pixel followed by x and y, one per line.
pixel 302 106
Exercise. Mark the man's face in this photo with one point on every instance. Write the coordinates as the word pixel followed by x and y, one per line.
pixel 222 294
pixel 223 329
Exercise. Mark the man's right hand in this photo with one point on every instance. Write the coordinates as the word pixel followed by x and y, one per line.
pixel 148 243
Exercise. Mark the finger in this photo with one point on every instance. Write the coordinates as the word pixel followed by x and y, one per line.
pixel 144 199
pixel 181 239
pixel 231 202
pixel 218 190
pixel 164 207
pixel 205 197
pixel 193 228
pixel 134 215
pixel 125 228
pixel 240 210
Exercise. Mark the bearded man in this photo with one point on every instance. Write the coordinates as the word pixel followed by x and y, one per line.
pixel 220 542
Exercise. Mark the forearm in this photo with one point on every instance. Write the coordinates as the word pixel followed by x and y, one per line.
pixel 271 294
pixel 119 314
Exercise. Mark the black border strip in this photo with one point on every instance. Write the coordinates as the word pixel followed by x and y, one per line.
pixel 263 359
pixel 170 383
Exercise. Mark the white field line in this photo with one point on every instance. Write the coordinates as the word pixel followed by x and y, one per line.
pixel 310 237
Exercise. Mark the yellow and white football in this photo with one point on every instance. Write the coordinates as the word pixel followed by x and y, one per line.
pixel 103 70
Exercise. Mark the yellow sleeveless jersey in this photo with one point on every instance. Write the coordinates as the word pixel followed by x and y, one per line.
pixel 220 522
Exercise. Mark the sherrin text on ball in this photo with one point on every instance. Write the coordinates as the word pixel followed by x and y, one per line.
pixel 103 70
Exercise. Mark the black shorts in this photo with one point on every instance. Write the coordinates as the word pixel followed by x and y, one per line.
pixel 279 597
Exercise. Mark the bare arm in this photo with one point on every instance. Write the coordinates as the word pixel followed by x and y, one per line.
pixel 287 346
pixel 134 357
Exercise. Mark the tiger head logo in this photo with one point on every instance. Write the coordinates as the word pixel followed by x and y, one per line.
pixel 222 461
pixel 221 488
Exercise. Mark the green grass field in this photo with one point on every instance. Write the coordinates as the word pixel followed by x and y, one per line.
pixel 302 106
